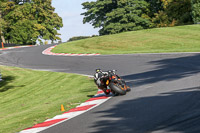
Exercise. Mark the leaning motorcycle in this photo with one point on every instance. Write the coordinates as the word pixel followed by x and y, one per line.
pixel 109 81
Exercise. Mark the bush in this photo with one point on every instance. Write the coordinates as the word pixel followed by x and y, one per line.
pixel 196 11
pixel 78 38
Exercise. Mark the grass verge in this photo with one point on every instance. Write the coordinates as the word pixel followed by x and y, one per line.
pixel 171 39
pixel 28 97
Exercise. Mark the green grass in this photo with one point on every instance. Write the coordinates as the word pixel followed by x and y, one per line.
pixel 28 97
pixel 171 39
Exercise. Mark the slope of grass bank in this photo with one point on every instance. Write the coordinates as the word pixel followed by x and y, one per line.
pixel 171 39
pixel 28 97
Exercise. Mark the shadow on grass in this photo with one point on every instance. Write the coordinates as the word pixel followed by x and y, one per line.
pixel 4 83
pixel 90 96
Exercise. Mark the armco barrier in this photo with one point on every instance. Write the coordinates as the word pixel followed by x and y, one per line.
pixel 10 45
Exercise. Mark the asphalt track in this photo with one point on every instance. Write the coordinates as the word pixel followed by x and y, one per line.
pixel 165 94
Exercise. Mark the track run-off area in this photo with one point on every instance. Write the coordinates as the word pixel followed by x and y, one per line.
pixel 165 94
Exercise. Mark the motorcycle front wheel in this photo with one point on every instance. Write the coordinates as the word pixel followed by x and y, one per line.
pixel 117 89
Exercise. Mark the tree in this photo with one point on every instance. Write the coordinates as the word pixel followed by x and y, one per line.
pixel 29 20
pixel 154 6
pixel 115 16
pixel 2 23
pixel 23 32
pixel 180 11
pixel 196 11
pixel 173 12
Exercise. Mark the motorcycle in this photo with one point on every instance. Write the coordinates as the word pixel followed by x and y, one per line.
pixel 109 81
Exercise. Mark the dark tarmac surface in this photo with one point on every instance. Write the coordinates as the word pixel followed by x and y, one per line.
pixel 165 96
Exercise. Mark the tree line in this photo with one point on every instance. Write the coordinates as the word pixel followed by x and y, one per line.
pixel 115 16
pixel 26 21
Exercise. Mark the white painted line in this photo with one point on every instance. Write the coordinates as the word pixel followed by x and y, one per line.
pixel 66 115
pixel 33 130
pixel 93 102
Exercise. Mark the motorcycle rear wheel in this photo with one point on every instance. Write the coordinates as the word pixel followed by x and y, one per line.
pixel 117 89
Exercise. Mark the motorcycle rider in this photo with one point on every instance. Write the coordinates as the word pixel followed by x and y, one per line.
pixel 99 78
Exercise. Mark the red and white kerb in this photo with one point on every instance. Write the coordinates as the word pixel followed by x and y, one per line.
pixel 93 102
pixel 48 52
